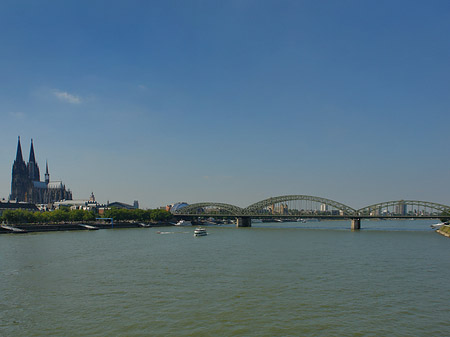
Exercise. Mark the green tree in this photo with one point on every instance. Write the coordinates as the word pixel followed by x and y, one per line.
pixel 89 216
pixel 60 215
pixel 160 215
pixel 76 215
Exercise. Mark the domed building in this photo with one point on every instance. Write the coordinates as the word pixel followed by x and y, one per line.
pixel 175 207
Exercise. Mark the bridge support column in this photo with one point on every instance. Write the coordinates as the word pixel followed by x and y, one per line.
pixel 356 224
pixel 244 221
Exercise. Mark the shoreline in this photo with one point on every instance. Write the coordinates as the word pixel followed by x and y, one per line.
pixel 444 230
pixel 77 226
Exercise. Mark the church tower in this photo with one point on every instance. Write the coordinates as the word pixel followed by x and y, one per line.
pixel 33 168
pixel 20 183
pixel 47 175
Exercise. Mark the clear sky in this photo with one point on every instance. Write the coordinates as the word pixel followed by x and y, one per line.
pixel 229 101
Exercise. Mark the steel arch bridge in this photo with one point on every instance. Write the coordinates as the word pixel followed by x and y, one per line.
pixel 210 208
pixel 403 208
pixel 262 207
pixel 311 206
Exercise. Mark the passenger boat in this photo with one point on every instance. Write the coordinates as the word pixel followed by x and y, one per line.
pixel 200 232
pixel 183 223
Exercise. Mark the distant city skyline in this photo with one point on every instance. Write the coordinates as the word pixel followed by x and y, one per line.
pixel 233 102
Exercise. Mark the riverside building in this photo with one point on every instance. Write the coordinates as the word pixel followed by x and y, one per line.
pixel 26 184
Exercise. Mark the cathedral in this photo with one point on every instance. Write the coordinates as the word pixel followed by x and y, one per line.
pixel 26 184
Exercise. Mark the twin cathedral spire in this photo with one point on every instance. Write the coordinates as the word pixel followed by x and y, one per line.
pixel 26 184
pixel 32 166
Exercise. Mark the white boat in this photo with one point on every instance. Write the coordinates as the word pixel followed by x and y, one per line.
pixel 183 223
pixel 89 227
pixel 438 225
pixel 200 232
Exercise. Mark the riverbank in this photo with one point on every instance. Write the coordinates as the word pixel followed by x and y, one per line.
pixel 70 226
pixel 444 230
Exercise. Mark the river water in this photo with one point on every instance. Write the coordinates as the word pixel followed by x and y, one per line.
pixel 288 279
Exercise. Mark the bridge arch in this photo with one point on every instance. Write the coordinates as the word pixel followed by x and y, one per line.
pixel 210 208
pixel 404 208
pixel 266 205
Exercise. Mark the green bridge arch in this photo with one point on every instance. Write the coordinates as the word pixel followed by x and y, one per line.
pixel 375 208
pixel 199 209
pixel 260 208
pixel 257 207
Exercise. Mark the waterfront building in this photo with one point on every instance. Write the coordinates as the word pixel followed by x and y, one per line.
pixel 401 208
pixel 118 204
pixel 13 205
pixel 281 209
pixel 26 185
pixel 175 207
pixel 86 205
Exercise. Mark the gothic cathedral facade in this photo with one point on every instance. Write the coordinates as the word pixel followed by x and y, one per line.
pixel 26 185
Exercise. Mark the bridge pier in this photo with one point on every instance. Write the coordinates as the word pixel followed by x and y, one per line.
pixel 356 224
pixel 244 221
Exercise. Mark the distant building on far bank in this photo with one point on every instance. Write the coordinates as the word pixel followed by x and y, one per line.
pixel 174 207
pixel 117 204
pixel 86 205
pixel 13 205
pixel 26 184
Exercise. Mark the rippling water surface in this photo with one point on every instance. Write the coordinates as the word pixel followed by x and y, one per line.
pixel 269 280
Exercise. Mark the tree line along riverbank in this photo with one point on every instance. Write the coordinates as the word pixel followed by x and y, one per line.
pixel 64 215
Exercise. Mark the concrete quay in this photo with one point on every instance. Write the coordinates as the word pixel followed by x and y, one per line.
pixel 444 230
pixel 56 227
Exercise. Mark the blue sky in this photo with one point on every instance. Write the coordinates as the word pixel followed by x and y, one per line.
pixel 229 101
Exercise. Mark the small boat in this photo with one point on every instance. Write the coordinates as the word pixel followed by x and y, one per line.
pixel 183 223
pixel 200 232
pixel 438 225
pixel 12 229
pixel 88 227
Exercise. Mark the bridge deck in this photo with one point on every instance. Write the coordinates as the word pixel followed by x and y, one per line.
pixel 310 216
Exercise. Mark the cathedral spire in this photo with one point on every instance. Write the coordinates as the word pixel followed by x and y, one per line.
pixel 47 175
pixel 20 182
pixel 32 158
pixel 33 168
pixel 19 157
